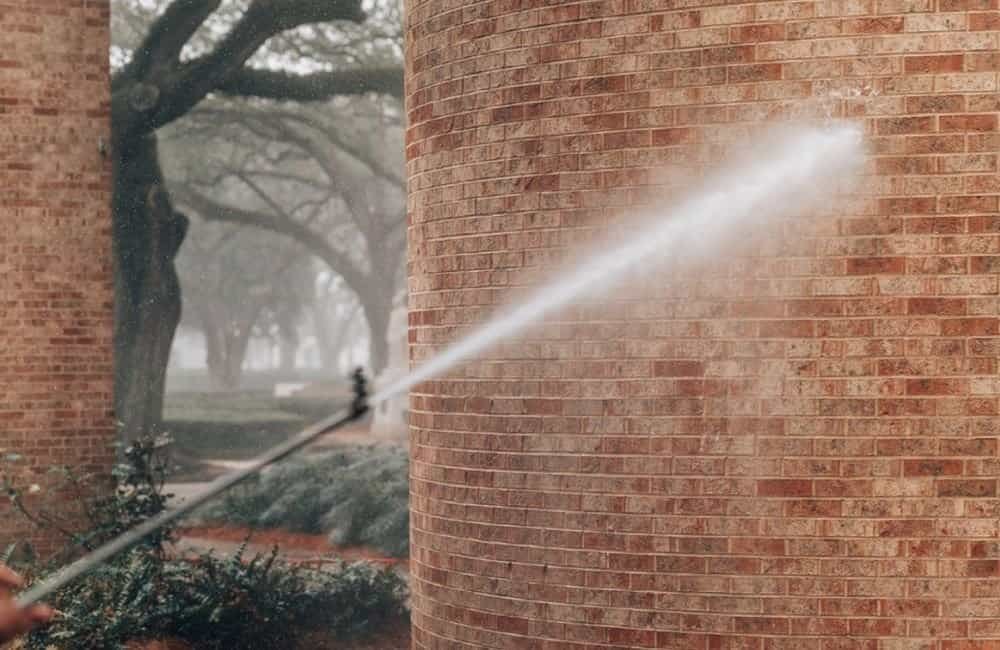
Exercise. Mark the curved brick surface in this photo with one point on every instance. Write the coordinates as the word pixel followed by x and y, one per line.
pixel 55 245
pixel 790 451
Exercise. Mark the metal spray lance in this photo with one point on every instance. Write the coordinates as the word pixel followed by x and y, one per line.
pixel 42 590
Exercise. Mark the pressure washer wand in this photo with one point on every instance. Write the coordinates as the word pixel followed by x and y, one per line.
pixel 129 538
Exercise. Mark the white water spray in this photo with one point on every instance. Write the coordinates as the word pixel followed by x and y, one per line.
pixel 789 171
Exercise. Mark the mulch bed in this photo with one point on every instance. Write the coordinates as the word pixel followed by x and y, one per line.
pixel 294 547
pixel 396 637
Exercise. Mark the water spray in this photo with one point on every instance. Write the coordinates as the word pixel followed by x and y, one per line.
pixel 795 175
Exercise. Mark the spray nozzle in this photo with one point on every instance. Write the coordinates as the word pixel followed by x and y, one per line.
pixel 360 404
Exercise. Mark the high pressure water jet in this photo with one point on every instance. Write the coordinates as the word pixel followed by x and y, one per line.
pixel 796 174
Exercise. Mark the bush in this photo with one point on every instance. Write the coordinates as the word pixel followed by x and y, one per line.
pixel 360 495
pixel 88 510
pixel 219 603
pixel 211 602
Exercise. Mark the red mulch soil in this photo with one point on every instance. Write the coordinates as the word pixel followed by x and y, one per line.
pixel 396 637
pixel 292 545
pixel 166 644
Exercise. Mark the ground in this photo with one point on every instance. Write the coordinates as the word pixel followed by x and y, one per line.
pixel 395 638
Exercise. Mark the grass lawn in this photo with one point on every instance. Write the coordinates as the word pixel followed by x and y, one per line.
pixel 232 426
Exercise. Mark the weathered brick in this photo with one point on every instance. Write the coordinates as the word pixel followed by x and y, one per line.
pixel 934 63
pixel 55 259
pixel 791 447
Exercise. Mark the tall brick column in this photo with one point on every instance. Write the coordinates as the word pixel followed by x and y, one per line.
pixel 55 249
pixel 794 450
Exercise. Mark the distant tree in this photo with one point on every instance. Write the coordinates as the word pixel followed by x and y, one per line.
pixel 241 284
pixel 334 315
pixel 170 56
pixel 298 172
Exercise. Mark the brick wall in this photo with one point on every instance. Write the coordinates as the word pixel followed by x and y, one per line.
pixel 55 277
pixel 792 449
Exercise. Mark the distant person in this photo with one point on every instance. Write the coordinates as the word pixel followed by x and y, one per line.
pixel 15 621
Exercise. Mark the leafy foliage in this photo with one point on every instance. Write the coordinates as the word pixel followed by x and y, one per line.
pixel 212 602
pixel 216 603
pixel 84 510
pixel 360 495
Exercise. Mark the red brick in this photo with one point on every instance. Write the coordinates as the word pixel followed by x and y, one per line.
pixel 757 33
pixel 935 104
pixel 932 467
pixel 901 125
pixel 678 369
pixel 787 328
pixel 784 488
pixel 886 25
pixel 788 445
pixel 967 488
pixel 936 63
pixel 984 21
pixel 908 206
pixel 967 5
pixel 668 137
pixel 985 264
pixel 729 55
pixel 754 73
pixel 937 306
pixel 55 253
pixel 968 122
pixel 969 327
pixel 875 265
pixel 930 386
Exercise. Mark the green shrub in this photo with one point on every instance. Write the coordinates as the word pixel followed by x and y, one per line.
pixel 212 602
pixel 219 603
pixel 88 510
pixel 359 495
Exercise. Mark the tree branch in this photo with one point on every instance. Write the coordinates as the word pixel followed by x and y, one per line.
pixel 168 93
pixel 279 130
pixel 271 84
pixel 213 211
pixel 169 33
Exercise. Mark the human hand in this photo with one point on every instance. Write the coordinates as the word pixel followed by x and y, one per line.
pixel 15 620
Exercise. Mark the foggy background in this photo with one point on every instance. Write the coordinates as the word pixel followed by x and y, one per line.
pixel 291 272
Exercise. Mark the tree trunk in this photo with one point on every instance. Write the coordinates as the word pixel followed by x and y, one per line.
pixel 324 341
pixel 225 355
pixel 288 342
pixel 225 347
pixel 230 372
pixel 148 232
pixel 377 313
pixel 288 349
pixel 331 334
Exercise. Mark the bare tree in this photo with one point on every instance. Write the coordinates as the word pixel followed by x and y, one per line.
pixel 192 49
pixel 333 316
pixel 240 284
pixel 289 170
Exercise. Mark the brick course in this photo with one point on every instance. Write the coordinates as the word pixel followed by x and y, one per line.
pixel 55 256
pixel 794 448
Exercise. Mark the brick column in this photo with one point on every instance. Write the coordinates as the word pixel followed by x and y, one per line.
pixel 794 448
pixel 55 248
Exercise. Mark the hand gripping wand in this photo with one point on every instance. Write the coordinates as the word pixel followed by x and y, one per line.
pixel 100 555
